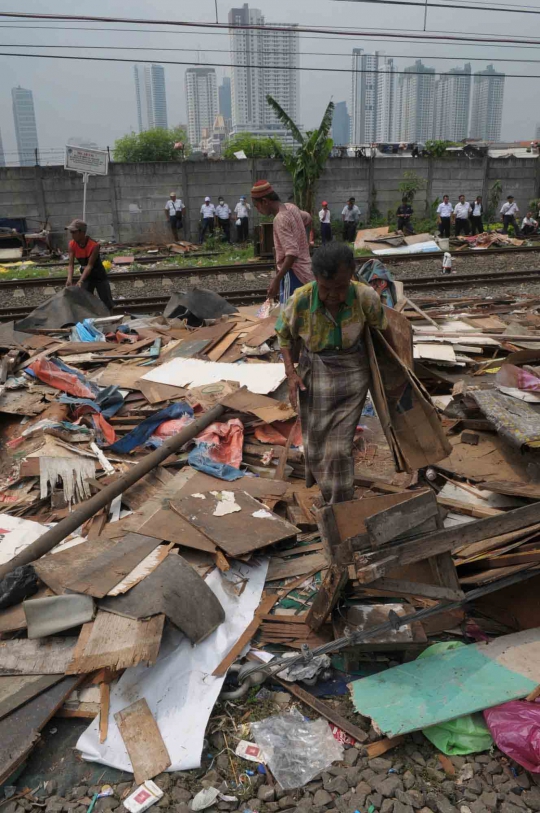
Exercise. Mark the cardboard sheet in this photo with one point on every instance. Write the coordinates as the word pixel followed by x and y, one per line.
pixel 180 689
pixel 182 372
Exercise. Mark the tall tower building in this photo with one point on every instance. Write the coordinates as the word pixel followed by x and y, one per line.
pixel 202 102
pixel 151 96
pixel 224 94
pixel 24 119
pixel 487 105
pixel 265 63
pixel 452 103
pixel 341 125
pixel 373 92
pixel 416 103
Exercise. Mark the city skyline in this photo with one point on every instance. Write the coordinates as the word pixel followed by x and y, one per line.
pixel 24 119
pixel 487 104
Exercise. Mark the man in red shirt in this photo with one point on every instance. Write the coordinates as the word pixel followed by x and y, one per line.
pixel 293 261
pixel 93 274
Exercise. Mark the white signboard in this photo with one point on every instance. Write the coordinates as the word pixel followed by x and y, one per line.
pixel 93 162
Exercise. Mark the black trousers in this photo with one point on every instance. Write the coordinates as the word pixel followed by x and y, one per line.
pixel 175 223
pixel 528 229
pixel 207 224
pixel 477 224
pixel 404 224
pixel 349 231
pixel 444 227
pixel 462 225
pixel 510 220
pixel 242 231
pixel 225 226
pixel 102 287
pixel 326 233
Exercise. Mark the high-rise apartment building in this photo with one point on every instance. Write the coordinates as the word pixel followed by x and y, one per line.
pixel 24 118
pixel 224 95
pixel 452 103
pixel 201 101
pixel 415 104
pixel 2 157
pixel 265 64
pixel 341 125
pixel 151 97
pixel 487 105
pixel 373 97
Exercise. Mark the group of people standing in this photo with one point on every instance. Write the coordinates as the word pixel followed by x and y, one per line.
pixel 468 218
pixel 220 215
pixel 350 217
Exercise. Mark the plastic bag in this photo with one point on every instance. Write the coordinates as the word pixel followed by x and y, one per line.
pixel 464 735
pixel 515 727
pixel 296 749
pixel 21 583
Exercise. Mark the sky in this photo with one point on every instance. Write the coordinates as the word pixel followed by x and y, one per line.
pixel 96 101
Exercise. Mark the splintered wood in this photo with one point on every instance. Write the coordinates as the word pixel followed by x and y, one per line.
pixel 117 643
pixel 144 743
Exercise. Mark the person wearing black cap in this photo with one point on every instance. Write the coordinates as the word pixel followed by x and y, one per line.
pixel 93 274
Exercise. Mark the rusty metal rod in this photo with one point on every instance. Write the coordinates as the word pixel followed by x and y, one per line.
pixel 87 509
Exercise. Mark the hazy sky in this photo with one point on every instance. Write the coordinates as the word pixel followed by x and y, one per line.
pixel 97 100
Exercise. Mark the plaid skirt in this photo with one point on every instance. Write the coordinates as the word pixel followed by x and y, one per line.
pixel 330 410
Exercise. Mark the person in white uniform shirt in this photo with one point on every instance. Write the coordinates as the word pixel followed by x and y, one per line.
pixel 241 211
pixel 223 218
pixel 208 214
pixel 174 210
pixel 529 225
pixel 351 218
pixel 326 227
pixel 444 215
pixel 477 215
pixel 462 211
pixel 509 211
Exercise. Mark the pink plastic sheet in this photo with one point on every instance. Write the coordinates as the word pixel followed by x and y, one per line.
pixel 225 441
pixel 515 727
pixel 511 376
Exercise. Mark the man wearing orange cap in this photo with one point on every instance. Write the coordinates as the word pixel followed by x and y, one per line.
pixel 293 261
pixel 326 228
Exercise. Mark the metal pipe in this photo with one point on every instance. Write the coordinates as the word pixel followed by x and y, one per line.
pixel 87 509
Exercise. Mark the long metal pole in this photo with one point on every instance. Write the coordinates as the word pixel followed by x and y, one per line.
pixel 51 538
pixel 85 185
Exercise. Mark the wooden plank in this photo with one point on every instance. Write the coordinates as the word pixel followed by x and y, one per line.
pixel 155 393
pixel 498 541
pixel 267 602
pixel 104 706
pixel 117 643
pixel 529 490
pixel 397 520
pixel 376 749
pixel 407 588
pixel 36 657
pixel 167 525
pixel 221 347
pixel 19 731
pixel 17 690
pixel 175 589
pixel 350 516
pixel 327 597
pixel 311 563
pixel 144 743
pixel 264 331
pixel 477 511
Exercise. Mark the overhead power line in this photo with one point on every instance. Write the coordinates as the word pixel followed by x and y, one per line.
pixel 283 28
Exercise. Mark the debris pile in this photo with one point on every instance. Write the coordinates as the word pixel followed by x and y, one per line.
pixel 160 552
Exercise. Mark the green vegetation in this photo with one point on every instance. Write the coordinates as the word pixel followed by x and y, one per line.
pixel 151 145
pixel 437 149
pixel 253 147
pixel 494 198
pixel 307 162
pixel 411 184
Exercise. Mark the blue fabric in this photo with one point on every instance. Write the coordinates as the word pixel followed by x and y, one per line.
pixel 288 286
pixel 108 401
pixel 200 459
pixel 143 431
pixel 86 332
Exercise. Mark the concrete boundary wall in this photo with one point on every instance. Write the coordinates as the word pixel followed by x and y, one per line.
pixel 128 204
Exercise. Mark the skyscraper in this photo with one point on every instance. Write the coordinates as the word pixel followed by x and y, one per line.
pixel 373 92
pixel 151 96
pixel 202 102
pixel 224 93
pixel 416 97
pixel 341 125
pixel 2 158
pixel 452 103
pixel 265 64
pixel 487 105
pixel 24 119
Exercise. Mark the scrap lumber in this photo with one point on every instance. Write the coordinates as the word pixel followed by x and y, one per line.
pixel 144 743
pixel 17 690
pixel 49 656
pixel 397 520
pixel 377 749
pixel 324 602
pixel 267 602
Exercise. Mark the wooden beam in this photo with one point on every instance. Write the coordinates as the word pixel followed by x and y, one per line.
pixel 407 588
pixel 399 519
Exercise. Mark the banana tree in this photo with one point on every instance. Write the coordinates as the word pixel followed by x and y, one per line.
pixel 306 163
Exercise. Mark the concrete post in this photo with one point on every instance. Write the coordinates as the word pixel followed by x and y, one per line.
pixel 429 184
pixel 113 201
pixel 485 181
pixel 185 198
pixel 40 196
pixel 371 187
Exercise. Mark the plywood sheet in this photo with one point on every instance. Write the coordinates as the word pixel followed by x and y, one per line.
pixel 263 407
pixel 249 527
pixel 154 393
pixel 144 743
pixel 124 376
pixel 168 526
pixel 115 642
pixel 42 657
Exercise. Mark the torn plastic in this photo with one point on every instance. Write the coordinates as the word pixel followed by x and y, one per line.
pixel 199 458
pixel 169 428
pixel 21 583
pixel 144 430
pixel 224 442
pixel 196 305
pixel 295 749
pixel 305 671
pixel 62 377
pixel 515 727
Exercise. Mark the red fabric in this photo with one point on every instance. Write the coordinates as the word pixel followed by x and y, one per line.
pixel 169 428
pixel 277 433
pixel 226 441
pixel 268 434
pixel 49 373
pixel 103 427
pixel 82 252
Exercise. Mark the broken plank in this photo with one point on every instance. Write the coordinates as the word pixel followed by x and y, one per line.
pixel 335 579
pixel 267 602
pixel 36 657
pixel 376 749
pixel 408 588
pixel 144 743
pixel 116 642
pixel 296 567
pixel 104 706
pixel 16 690
pixel 397 520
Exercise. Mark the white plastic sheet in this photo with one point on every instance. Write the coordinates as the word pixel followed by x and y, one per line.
pixel 179 688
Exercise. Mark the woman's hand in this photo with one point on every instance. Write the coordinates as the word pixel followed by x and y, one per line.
pixel 295 383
